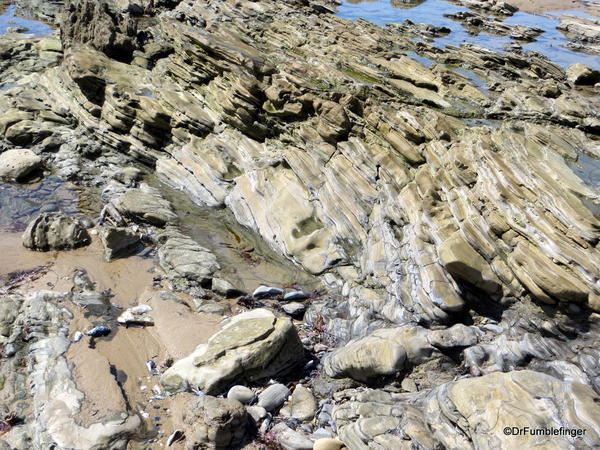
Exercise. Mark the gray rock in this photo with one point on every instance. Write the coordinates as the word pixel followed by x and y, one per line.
pixel 240 393
pixel 251 346
pixel 258 413
pixel 185 262
pixel 225 288
pixel 138 315
pixel 581 74
pixel 290 439
pixel 302 404
pixel 328 444
pixel 266 292
pixel 214 423
pixel 17 164
pixel 458 335
pixel 365 359
pixel 55 231
pixel 294 309
pixel 273 397
pixel 145 205
pixel 409 385
pixel 295 296
pixel 118 242
pixel 129 176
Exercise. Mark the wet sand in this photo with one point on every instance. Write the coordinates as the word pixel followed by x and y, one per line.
pixel 177 331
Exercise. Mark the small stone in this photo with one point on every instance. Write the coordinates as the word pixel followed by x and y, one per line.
pixel 273 397
pixel 321 433
pixel 294 309
pixel 258 413
pixel 409 385
pixel 136 316
pixel 17 164
pixel 241 393
pixel 328 444
pixel 295 296
pixel 99 331
pixel 77 336
pixel 290 439
pixel 266 292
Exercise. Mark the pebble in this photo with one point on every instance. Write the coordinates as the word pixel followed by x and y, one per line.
pixel 321 433
pixel 290 439
pixel 266 291
pixel 493 328
pixel 77 336
pixel 273 397
pixel 409 385
pixel 257 412
pixel 295 295
pixel 241 393
pixel 328 444
pixel 294 309
pixel 99 331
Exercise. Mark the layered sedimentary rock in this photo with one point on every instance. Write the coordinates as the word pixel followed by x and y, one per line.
pixel 355 156
pixel 451 216
pixel 473 413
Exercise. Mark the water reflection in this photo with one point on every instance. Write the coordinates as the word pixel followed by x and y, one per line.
pixel 552 43
pixel 9 20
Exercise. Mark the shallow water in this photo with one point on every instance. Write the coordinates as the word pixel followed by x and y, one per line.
pixel 245 259
pixel 20 203
pixel 8 19
pixel 550 43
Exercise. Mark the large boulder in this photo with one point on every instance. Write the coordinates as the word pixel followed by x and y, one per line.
pixel 252 346
pixel 118 242
pixel 484 412
pixel 145 205
pixel 55 231
pixel 185 262
pixel 17 164
pixel 212 422
pixel 387 351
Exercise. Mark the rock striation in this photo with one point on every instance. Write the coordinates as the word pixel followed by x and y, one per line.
pixel 472 413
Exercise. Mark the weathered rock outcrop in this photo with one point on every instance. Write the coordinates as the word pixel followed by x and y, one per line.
pixel 55 231
pixel 46 395
pixel 473 413
pixel 215 423
pixel 251 346
pixel 353 156
pixel 388 351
